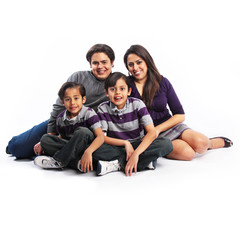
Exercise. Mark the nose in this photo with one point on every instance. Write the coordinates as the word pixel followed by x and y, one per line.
pixel 99 65
pixel 135 66
pixel 72 102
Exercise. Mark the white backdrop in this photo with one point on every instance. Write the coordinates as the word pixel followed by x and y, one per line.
pixel 195 44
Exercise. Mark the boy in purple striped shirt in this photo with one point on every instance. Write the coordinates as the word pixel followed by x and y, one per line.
pixel 76 127
pixel 124 120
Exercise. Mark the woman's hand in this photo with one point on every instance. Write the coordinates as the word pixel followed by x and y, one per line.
pixel 38 149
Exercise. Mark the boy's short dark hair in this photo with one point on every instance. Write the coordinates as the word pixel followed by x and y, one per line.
pixel 98 48
pixel 67 85
pixel 112 79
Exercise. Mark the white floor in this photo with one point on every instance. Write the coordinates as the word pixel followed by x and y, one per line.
pixel 179 200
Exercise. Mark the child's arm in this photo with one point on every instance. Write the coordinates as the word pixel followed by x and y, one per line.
pixel 146 141
pixel 86 160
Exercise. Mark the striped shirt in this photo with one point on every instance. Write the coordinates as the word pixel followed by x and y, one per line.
pixel 87 117
pixel 127 123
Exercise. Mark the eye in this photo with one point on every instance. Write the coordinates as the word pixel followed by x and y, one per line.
pixel 94 63
pixel 66 100
pixel 122 88
pixel 139 62
pixel 76 98
pixel 130 64
pixel 112 89
pixel 104 62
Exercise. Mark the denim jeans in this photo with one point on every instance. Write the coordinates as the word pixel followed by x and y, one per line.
pixel 21 146
pixel 160 147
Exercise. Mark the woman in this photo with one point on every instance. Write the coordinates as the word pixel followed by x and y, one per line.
pixel 157 92
pixel 101 58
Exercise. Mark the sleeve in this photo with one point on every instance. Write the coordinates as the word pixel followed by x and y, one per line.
pixel 173 100
pixel 102 117
pixel 93 120
pixel 58 107
pixel 143 114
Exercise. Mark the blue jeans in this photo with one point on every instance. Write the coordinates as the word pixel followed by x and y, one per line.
pixel 21 146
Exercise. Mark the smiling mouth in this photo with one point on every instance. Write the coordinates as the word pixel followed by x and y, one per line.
pixel 101 72
pixel 117 98
pixel 73 108
pixel 137 73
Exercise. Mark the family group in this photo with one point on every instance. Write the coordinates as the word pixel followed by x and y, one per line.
pixel 107 121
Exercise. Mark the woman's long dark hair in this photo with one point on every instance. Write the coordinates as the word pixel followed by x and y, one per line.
pixel 154 77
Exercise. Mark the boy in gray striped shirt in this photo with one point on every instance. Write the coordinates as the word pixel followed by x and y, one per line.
pixel 124 120
pixel 79 133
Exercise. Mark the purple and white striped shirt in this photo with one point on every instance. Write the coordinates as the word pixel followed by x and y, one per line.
pixel 87 117
pixel 127 123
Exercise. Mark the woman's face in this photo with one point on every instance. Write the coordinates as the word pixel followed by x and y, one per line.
pixel 137 67
pixel 101 65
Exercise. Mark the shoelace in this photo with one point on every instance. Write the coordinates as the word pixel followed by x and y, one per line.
pixel 50 163
pixel 113 166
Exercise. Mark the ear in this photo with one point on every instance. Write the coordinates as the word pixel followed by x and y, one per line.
pixel 84 99
pixel 129 91
pixel 106 92
pixel 112 64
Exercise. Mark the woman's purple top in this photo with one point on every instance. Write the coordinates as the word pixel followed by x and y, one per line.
pixel 165 96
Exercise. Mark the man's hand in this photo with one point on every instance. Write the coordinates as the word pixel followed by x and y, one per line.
pixel 38 149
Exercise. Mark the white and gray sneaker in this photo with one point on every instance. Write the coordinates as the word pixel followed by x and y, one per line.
pixel 47 162
pixel 105 167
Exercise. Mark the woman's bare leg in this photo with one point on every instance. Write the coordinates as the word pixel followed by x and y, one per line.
pixel 181 151
pixel 198 141
pixel 191 142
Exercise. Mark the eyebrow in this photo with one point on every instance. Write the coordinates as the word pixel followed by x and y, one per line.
pixel 105 60
pixel 136 60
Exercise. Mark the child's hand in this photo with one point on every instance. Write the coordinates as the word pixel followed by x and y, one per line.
pixel 158 131
pixel 129 150
pixel 86 162
pixel 132 164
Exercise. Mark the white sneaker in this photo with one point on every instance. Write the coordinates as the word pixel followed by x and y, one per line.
pixel 105 167
pixel 47 162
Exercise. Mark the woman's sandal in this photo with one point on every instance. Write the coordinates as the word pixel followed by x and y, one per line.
pixel 227 142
